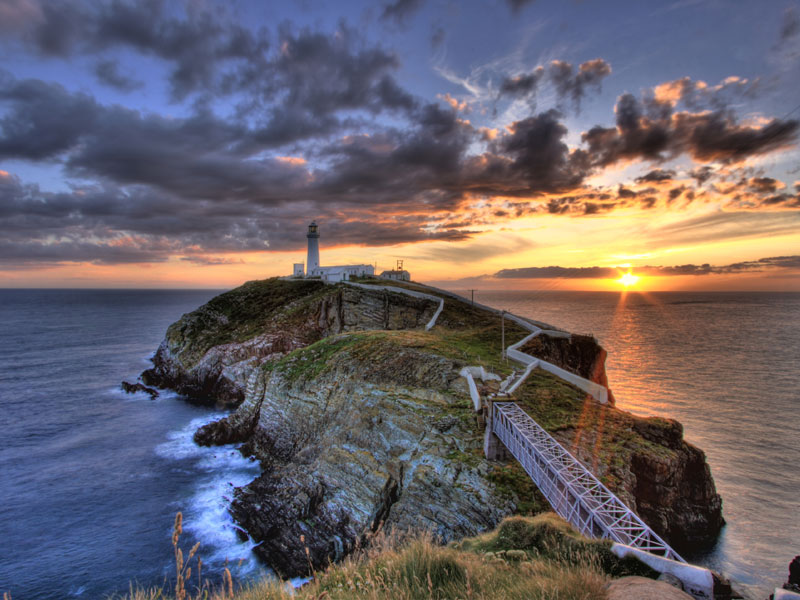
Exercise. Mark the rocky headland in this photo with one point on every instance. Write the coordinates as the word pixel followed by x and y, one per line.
pixel 361 420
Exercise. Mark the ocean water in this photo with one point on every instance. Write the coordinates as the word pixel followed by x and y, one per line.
pixel 91 478
pixel 727 365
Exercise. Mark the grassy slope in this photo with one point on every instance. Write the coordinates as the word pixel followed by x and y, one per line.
pixel 243 313
pixel 538 558
pixel 556 406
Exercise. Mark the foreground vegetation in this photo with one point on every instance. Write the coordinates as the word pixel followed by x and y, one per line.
pixel 536 558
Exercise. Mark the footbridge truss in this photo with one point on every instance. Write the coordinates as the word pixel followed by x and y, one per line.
pixel 572 490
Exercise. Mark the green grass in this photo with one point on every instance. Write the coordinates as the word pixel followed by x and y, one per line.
pixel 242 313
pixel 382 350
pixel 610 433
pixel 511 481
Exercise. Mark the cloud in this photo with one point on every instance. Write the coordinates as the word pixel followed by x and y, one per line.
pixel 107 72
pixel 764 184
pixel 376 164
pixel 697 94
pixel 705 136
pixel 517 5
pixel 723 225
pixel 553 272
pixel 573 84
pixel 790 26
pixel 44 120
pixel 17 14
pixel 569 84
pixel 437 36
pixel 400 10
pixel 522 85
pixel 204 48
pixel 656 176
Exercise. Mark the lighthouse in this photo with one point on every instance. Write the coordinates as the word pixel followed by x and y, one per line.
pixel 312 262
pixel 329 274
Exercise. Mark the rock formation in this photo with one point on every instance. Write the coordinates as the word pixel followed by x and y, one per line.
pixel 360 420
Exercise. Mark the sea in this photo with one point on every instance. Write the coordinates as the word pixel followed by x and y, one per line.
pixel 91 478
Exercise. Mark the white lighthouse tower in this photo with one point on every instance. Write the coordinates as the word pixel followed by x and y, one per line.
pixel 312 262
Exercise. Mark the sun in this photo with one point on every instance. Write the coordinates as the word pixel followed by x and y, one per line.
pixel 628 279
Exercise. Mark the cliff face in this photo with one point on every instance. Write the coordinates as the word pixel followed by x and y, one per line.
pixel 579 354
pixel 353 432
pixel 360 418
pixel 209 353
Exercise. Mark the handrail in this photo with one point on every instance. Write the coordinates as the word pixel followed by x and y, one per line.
pixel 572 490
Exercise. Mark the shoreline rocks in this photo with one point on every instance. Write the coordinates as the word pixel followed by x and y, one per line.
pixel 132 388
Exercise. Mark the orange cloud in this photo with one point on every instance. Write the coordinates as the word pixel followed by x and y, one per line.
pixel 291 160
pixel 454 103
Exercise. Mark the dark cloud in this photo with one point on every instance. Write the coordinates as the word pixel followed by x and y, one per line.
pixel 201 183
pixel 437 36
pixel 540 155
pixel 790 26
pixel 573 84
pixel 517 5
pixel 204 48
pixel 702 174
pixel 400 10
pixel 675 193
pixel 569 83
pixel 557 273
pixel 706 136
pixel 657 176
pixel 107 72
pixel 42 120
pixel 778 262
pixel 781 200
pixel 522 85
pixel 764 184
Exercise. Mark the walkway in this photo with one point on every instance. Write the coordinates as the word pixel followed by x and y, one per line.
pixel 572 491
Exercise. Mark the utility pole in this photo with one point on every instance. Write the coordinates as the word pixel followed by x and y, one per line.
pixel 503 333
pixel 473 297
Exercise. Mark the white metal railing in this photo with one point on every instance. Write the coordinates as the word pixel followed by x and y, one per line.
pixel 572 490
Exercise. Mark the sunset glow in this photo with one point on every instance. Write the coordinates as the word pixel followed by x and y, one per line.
pixel 628 279
pixel 530 160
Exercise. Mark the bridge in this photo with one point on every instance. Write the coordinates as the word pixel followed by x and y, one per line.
pixel 570 488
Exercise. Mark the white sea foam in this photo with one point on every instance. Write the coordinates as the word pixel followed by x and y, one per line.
pixel 219 470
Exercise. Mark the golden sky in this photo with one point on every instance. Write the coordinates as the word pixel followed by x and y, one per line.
pixel 525 145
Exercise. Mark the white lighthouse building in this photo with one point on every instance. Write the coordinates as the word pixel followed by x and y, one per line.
pixel 312 262
pixel 337 273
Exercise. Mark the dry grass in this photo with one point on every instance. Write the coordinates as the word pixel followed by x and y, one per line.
pixel 533 559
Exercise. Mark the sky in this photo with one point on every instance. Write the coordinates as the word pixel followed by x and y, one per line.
pixel 490 144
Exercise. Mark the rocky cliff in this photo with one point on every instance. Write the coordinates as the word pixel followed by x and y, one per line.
pixel 361 419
